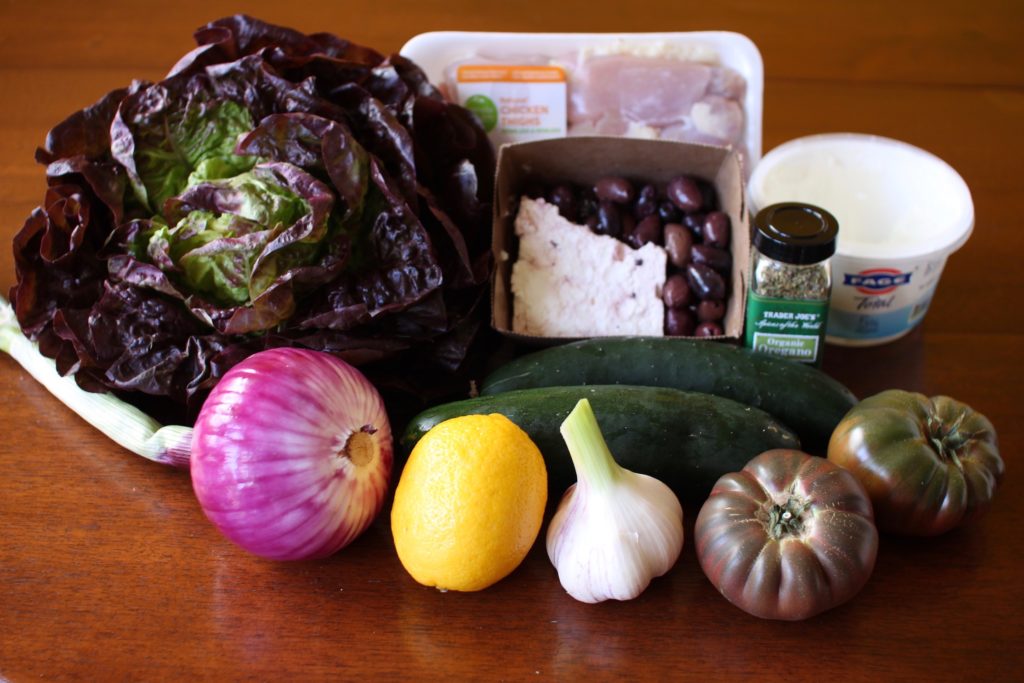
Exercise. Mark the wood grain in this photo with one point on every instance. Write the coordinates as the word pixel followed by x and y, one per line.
pixel 109 571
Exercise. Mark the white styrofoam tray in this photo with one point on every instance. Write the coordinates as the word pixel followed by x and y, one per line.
pixel 436 50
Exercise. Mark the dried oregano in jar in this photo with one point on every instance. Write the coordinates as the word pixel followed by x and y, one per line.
pixel 790 280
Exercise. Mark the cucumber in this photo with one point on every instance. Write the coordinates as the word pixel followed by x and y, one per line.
pixel 687 440
pixel 805 399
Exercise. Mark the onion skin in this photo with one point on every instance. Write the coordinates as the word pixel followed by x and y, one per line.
pixel 292 454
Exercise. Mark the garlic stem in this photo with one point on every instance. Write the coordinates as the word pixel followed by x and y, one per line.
pixel 595 465
pixel 125 424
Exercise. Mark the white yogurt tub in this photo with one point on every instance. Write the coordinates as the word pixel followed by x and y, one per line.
pixel 901 210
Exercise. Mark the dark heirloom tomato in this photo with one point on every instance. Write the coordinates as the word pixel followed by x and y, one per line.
pixel 787 537
pixel 929 464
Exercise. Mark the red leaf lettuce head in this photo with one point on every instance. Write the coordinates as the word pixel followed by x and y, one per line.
pixel 275 189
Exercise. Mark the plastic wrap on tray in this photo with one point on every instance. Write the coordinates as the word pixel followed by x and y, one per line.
pixel 691 87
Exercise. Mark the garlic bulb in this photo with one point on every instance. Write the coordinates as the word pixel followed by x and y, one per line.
pixel 614 530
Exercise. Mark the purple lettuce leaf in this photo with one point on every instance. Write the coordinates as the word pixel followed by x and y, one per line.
pixel 331 193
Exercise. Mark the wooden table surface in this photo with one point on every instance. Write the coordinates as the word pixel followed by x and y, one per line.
pixel 110 572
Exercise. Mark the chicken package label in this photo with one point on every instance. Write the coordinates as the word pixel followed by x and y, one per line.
pixel 515 103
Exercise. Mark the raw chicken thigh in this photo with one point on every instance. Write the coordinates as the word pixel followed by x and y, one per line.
pixel 646 90
pixel 625 94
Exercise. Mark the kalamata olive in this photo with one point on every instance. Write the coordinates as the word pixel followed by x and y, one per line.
pixel 705 282
pixel 708 329
pixel 609 219
pixel 646 202
pixel 628 226
pixel 614 189
pixel 564 198
pixel 716 229
pixel 647 230
pixel 668 213
pixel 534 190
pixel 676 292
pixel 719 259
pixel 684 192
pixel 591 222
pixel 695 222
pixel 678 241
pixel 710 310
pixel 587 208
pixel 679 322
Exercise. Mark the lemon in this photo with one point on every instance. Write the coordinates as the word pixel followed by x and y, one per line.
pixel 469 503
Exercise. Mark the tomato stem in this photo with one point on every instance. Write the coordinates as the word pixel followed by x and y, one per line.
pixel 948 441
pixel 785 520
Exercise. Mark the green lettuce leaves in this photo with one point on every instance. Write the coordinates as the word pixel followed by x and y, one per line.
pixel 169 144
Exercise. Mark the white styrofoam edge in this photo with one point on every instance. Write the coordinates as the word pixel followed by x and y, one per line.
pixel 961 225
pixel 435 50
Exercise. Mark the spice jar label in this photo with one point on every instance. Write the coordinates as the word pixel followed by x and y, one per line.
pixel 783 327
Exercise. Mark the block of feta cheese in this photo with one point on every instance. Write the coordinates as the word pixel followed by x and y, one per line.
pixel 569 282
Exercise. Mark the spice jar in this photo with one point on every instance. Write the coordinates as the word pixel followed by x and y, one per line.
pixel 790 282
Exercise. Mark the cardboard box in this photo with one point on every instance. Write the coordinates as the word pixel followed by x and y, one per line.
pixel 583 160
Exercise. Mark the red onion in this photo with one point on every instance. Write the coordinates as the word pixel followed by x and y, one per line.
pixel 292 454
